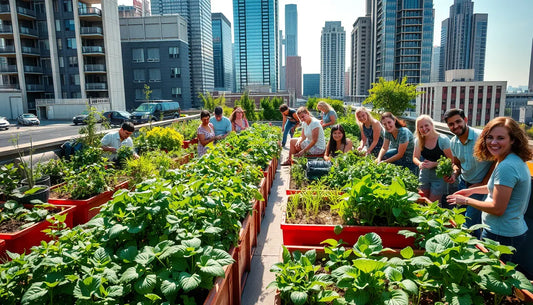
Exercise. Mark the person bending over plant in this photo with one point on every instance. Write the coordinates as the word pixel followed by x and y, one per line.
pixel 112 141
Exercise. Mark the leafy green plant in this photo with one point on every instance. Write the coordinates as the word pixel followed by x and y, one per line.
pixel 187 128
pixel 298 172
pixel 88 155
pixel 394 96
pixel 57 169
pixel 444 168
pixel 248 105
pixel 92 180
pixel 92 134
pixel 271 108
pixel 9 178
pixel 298 280
pixel 14 212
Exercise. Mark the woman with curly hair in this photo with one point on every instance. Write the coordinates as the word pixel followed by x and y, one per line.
pixel 503 141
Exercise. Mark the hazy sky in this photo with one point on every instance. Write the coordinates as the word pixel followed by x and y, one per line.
pixel 509 38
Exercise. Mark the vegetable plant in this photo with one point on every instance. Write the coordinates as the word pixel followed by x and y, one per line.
pixel 444 168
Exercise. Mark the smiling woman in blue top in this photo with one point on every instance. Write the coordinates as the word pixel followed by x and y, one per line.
pixel 503 141
pixel 221 124
pixel 398 144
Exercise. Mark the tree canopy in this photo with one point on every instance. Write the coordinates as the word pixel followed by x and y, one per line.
pixel 392 96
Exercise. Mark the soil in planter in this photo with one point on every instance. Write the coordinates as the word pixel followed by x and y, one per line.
pixel 323 217
pixel 13 225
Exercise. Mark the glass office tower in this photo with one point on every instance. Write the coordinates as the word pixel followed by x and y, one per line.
pixel 256 43
pixel 291 30
pixel 222 52
pixel 403 36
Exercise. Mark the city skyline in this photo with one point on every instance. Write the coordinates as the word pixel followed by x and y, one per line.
pixel 509 33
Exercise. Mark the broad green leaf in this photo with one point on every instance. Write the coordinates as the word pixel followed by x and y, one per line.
pixel 327 296
pixel 85 288
pixel 117 230
pixel 100 255
pixel 146 284
pixel 439 243
pixel 189 281
pixel 368 265
pixel 115 291
pixel 222 257
pixel 128 254
pixel 152 297
pixel 409 286
pixel 170 288
pixel 192 243
pixel 299 297
pixel 34 293
pixel 210 266
pixel 407 252
pixel 144 258
pixel 396 297
pixel 129 275
pixel 338 229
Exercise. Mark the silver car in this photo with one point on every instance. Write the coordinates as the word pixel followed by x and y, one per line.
pixel 28 119
pixel 4 123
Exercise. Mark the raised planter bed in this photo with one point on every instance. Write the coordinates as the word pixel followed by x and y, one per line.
pixel 22 241
pixel 86 209
pixel 227 289
pixel 188 143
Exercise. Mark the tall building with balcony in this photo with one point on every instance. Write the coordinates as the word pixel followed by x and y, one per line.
pixel 155 53
pixel 403 39
pixel 332 60
pixel 222 52
pixel 255 24
pixel 200 37
pixel 61 50
pixel 463 40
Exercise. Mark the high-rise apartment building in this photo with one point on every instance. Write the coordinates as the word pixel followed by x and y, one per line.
pixel 294 75
pixel 222 52
pixel 403 39
pixel 134 8
pixel 435 61
pixel 255 24
pixel 463 40
pixel 198 15
pixel 332 60
pixel 361 57
pixel 61 50
pixel 291 30
pixel 155 53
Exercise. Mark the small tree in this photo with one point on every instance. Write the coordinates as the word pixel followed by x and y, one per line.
pixel 248 105
pixel 210 103
pixel 392 96
pixel 271 108
pixel 147 92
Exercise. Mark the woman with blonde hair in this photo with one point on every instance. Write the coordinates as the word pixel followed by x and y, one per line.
pixel 429 147
pixel 238 120
pixel 503 141
pixel 329 115
pixel 371 132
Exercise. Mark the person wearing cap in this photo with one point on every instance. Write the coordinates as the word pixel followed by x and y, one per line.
pixel 221 124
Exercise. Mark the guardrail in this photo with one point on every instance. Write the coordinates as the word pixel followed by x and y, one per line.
pixel 44 150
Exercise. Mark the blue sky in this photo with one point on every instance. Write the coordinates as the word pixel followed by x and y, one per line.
pixel 510 31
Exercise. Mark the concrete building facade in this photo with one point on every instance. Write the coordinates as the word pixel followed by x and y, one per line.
pixel 222 52
pixel 53 50
pixel 294 75
pixel 403 39
pixel 200 37
pixel 332 60
pixel 361 57
pixel 256 33
pixel 481 101
pixel 155 53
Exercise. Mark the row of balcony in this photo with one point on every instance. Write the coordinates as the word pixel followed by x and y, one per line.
pixel 42 88
pixel 36 51
pixel 8 29
pixel 88 11
pixel 38 69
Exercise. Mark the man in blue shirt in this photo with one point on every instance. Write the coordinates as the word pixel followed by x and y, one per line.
pixel 471 172
pixel 221 124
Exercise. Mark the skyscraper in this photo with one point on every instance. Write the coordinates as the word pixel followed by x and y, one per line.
pixel 435 60
pixel 255 25
pixel 222 52
pixel 463 39
pixel 198 15
pixel 361 57
pixel 332 60
pixel 294 75
pixel 134 8
pixel 531 69
pixel 311 85
pixel 291 30
pixel 403 36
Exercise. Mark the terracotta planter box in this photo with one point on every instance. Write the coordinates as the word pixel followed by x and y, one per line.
pixel 22 241
pixel 2 247
pixel 184 159
pixel 313 234
pixel 227 289
pixel 88 208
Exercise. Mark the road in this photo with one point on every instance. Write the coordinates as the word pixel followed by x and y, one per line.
pixel 46 131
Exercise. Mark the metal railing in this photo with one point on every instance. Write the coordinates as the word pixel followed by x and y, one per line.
pixel 34 87
pixel 8 68
pixel 28 31
pixel 92 30
pixel 35 69
pixel 96 86
pixel 31 50
pixel 25 11
pixel 6 29
pixel 7 49
pixel 89 11
pixel 93 49
pixel 95 68
pixel 71 101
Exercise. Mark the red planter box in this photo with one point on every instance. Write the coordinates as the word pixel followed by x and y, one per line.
pixel 22 241
pixel 2 248
pixel 86 209
pixel 313 235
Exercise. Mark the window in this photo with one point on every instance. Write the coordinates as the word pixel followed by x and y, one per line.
pixel 156 94
pixel 75 79
pixel 153 54
pixel 173 52
pixel 69 25
pixel 154 75
pixel 176 92
pixel 44 44
pixel 137 55
pixel 72 61
pixel 138 76
pixel 67 5
pixel 175 72
pixel 59 44
pixel 71 43
pixel 58 25
pixel 139 94
pixel 61 62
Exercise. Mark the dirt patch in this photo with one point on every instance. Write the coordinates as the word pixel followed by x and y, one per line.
pixel 11 225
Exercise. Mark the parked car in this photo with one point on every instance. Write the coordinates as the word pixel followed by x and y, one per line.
pixel 82 118
pixel 117 117
pixel 28 119
pixel 155 111
pixel 4 123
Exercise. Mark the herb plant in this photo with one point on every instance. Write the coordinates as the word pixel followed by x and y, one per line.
pixel 444 168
